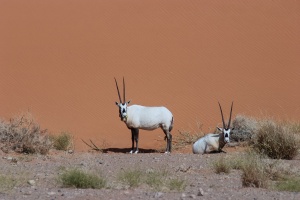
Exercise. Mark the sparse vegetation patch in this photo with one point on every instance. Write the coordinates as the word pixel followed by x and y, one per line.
pixel 157 180
pixel 7 183
pixel 291 185
pixel 80 179
pixel 132 178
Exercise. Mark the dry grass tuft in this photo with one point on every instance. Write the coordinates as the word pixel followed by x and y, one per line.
pixel 63 141
pixel 222 166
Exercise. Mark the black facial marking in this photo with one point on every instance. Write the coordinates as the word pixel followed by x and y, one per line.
pixel 226 135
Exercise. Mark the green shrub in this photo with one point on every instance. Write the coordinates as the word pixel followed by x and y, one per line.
pixel 80 179
pixel 63 141
pixel 277 141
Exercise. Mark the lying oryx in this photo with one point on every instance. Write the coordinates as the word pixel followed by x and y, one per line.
pixel 214 142
pixel 147 118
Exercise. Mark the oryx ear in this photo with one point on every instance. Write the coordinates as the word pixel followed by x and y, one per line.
pixel 117 103
pixel 128 102
pixel 220 129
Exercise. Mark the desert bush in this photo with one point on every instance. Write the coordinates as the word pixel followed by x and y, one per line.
pixel 63 141
pixel 276 140
pixel 80 179
pixel 244 128
pixel 22 134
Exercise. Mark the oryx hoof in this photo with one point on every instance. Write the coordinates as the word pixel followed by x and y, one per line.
pixel 135 152
pixel 167 152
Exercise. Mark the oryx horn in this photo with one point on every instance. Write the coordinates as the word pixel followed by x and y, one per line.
pixel 230 116
pixel 118 91
pixel 222 115
pixel 224 125
pixel 124 90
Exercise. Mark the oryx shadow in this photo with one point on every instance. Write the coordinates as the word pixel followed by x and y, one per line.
pixel 127 150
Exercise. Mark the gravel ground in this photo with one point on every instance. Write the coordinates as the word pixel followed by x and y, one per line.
pixel 196 170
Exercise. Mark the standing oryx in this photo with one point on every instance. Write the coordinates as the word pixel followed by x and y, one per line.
pixel 147 118
pixel 214 142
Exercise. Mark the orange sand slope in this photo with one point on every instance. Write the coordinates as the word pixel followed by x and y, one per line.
pixel 58 60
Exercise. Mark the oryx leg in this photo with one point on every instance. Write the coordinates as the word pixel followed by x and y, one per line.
pixel 169 141
pixel 221 151
pixel 135 138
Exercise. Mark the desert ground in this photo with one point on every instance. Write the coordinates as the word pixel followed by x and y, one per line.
pixel 58 60
pixel 200 179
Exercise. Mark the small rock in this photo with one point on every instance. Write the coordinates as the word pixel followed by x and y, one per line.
pixel 31 182
pixel 70 151
pixel 200 193
pixel 193 196
pixel 9 158
pixel 27 193
pixel 51 193
pixel 183 195
pixel 158 195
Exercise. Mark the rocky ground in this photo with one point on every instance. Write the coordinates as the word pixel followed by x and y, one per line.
pixel 37 176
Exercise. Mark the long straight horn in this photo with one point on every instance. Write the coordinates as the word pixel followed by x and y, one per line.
pixel 222 116
pixel 124 90
pixel 230 116
pixel 118 90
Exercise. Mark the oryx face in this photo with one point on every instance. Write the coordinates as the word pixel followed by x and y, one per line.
pixel 123 110
pixel 226 133
pixel 122 105
pixel 226 129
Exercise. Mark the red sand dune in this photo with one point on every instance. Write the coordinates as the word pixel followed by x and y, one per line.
pixel 58 60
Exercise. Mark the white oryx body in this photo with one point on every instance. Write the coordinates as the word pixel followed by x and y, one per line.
pixel 214 142
pixel 147 118
pixel 206 144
